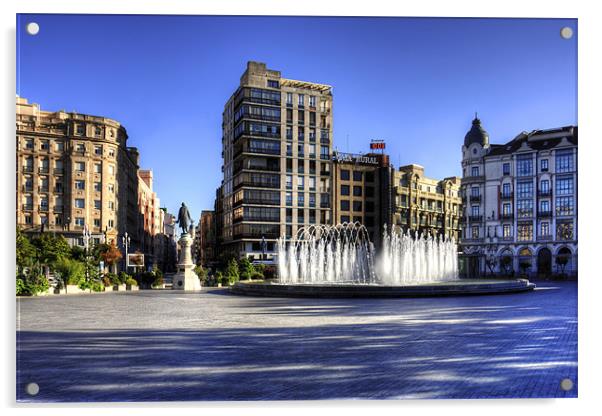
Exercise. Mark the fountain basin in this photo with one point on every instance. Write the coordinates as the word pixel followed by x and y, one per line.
pixel 461 287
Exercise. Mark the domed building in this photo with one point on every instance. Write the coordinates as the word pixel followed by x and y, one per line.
pixel 513 221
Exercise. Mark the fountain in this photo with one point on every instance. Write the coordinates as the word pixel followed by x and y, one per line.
pixel 341 261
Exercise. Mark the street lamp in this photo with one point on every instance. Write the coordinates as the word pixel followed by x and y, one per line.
pixel 86 235
pixel 125 239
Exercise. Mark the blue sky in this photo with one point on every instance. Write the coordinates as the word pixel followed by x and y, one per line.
pixel 414 82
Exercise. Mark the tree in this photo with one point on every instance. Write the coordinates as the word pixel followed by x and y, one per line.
pixel 109 253
pixel 69 272
pixel 562 261
pixel 25 252
pixel 51 248
pixel 232 273
pixel 246 269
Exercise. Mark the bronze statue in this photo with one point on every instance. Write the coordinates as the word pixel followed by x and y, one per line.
pixel 184 219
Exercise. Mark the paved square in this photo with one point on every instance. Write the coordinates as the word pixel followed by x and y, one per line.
pixel 164 345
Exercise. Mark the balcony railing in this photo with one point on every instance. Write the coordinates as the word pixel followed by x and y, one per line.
pixel 325 204
pixel 547 237
pixel 475 198
pixel 28 188
pixel 43 169
pixel 505 195
pixel 544 214
pixel 544 193
pixel 27 168
pixel 43 208
pixel 59 171
pixel 475 218
pixel 507 216
pixel 27 207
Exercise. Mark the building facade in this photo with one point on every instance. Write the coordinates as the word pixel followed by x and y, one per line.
pixel 427 206
pixel 520 212
pixel 74 170
pixel 361 191
pixel 276 149
pixel 151 219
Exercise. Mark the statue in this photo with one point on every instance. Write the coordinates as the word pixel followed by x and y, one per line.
pixel 184 219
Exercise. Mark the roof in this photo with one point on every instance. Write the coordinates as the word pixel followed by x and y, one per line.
pixel 536 140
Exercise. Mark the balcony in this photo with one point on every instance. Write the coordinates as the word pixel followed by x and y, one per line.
pixel 58 171
pixel 475 198
pixel 325 156
pixel 505 195
pixel 58 209
pixel 544 214
pixel 27 188
pixel 325 204
pixel 507 216
pixel 506 238
pixel 473 179
pixel 324 173
pixel 544 193
pixel 43 169
pixel 27 207
pixel 27 168
pixel 57 190
pixel 475 218
pixel 43 208
pixel 547 237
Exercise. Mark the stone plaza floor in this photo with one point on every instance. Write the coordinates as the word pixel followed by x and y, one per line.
pixel 169 345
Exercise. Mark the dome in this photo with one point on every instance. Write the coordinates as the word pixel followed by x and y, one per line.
pixel 476 134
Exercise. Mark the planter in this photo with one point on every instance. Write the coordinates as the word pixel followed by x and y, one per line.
pixel 109 288
pixel 119 288
pixel 131 287
pixel 73 290
pixel 219 285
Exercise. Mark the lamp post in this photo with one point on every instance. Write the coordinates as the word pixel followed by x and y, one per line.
pixel 125 239
pixel 87 235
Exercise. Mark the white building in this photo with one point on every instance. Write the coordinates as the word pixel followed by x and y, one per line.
pixel 520 203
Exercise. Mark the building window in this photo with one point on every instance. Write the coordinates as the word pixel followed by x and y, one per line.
pixel 474 171
pixel 324 153
pixel 544 229
pixel 300 216
pixel 289 199
pixel 300 183
pixel 97 187
pixel 273 83
pixel 525 231
pixel 370 191
pixel 44 145
pixel 300 133
pixel 524 189
pixel 111 188
pixel 564 205
pixel 564 186
pixel 357 176
pixel 80 166
pixel 544 206
pixel 344 218
pixel 111 152
pixel 111 223
pixel 111 169
pixel 506 168
pixel 301 100
pixel 79 221
pixel 524 208
pixel 474 191
pixel 344 205
pixel 81 185
pixel 357 191
pixel 80 129
pixel 507 231
pixel 112 205
pixel 289 98
pixel 97 168
pixel 58 219
pixel 474 210
pixel 80 203
pixel 300 152
pixel 564 161
pixel 301 200
pixel 344 175
pixel 97 204
pixel 98 150
pixel 357 206
pixel 544 165
pixel 312 101
pixel 29 144
pixel 28 219
pixel 544 186
pixel 524 165
pixel 345 190
pixel 564 230
pixel 289 182
pixel 507 209
pixel 312 200
pixel 475 232
pixel 59 146
pixel 97 131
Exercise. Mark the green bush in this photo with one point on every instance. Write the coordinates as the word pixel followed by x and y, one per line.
pixel 219 277
pixel 246 269
pixel 113 279
pixel 22 289
pixel 231 273
pixel 131 282
pixel 269 272
pixel 32 285
pixel 123 277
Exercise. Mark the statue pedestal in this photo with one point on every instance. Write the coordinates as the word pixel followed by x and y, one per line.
pixel 186 278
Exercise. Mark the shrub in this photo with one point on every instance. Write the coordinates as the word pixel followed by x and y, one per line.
pixel 269 272
pixel 113 279
pixel 219 277
pixel 123 277
pixel 131 282
pixel 201 272
pixel 32 285
pixel 231 272
pixel 246 269
pixel 106 281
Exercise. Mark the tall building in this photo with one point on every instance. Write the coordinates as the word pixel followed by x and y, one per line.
pixel 361 191
pixel 428 206
pixel 207 242
pixel 276 149
pixel 74 170
pixel 520 202
pixel 151 218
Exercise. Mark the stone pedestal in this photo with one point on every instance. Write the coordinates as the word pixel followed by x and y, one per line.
pixel 186 278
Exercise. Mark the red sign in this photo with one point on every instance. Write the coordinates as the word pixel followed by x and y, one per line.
pixel 377 145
